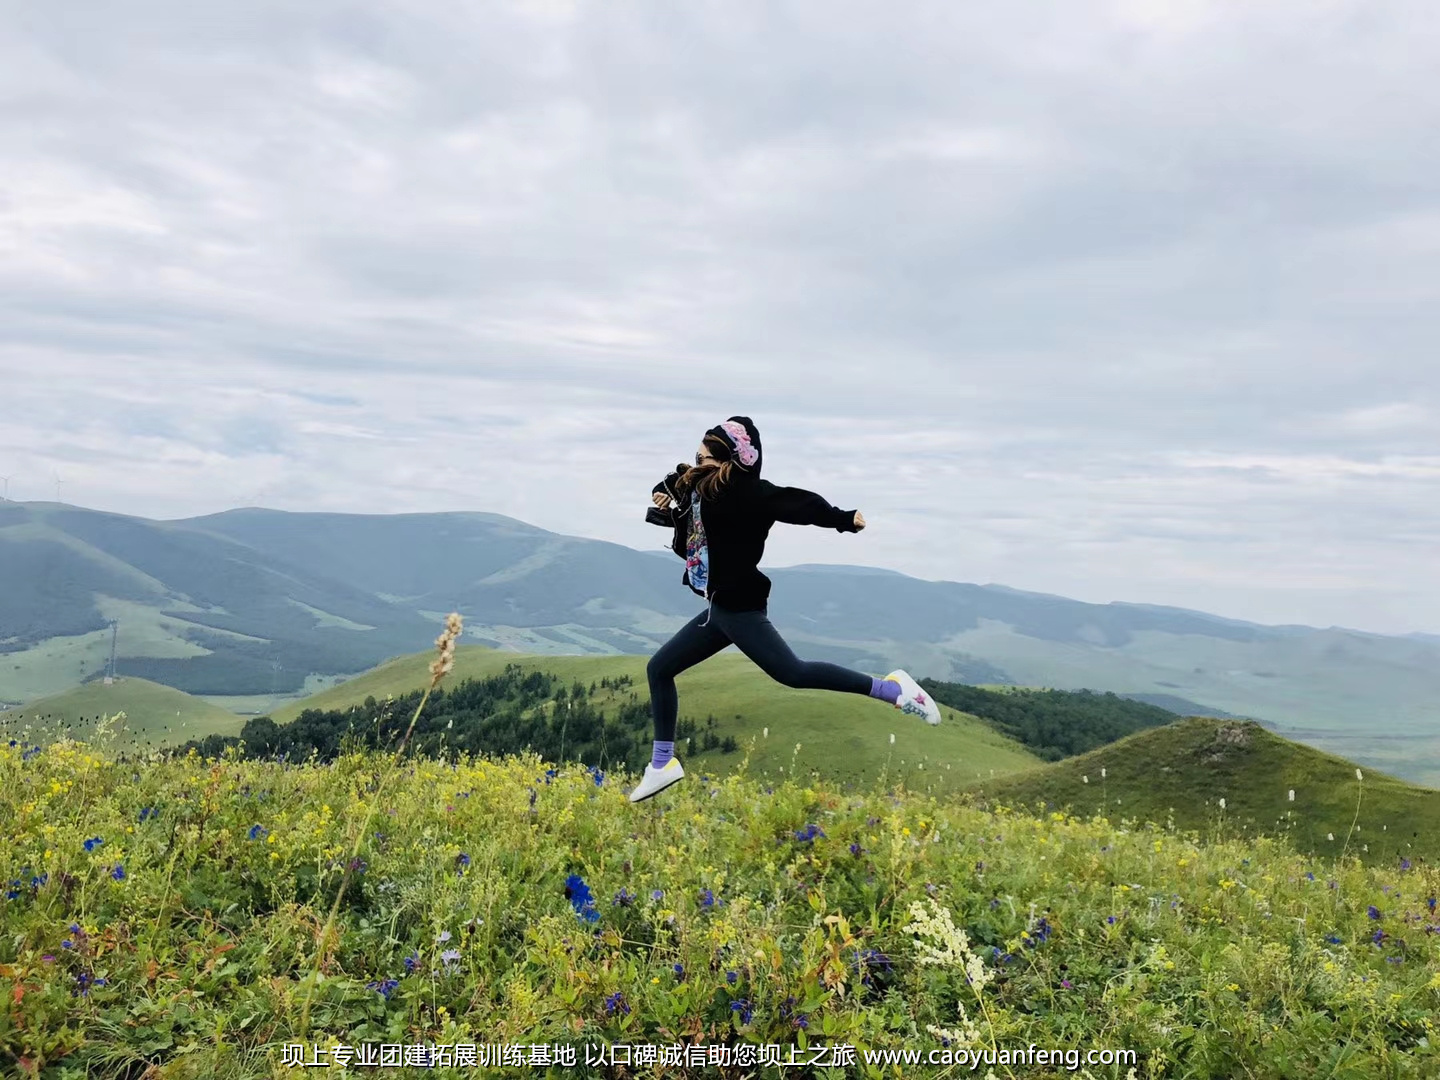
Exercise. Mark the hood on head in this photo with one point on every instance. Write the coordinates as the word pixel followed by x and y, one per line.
pixel 753 435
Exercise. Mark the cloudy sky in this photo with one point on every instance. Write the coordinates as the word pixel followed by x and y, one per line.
pixel 1119 300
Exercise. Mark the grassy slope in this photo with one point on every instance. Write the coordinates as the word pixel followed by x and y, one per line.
pixel 1226 957
pixel 842 736
pixel 152 712
pixel 1187 767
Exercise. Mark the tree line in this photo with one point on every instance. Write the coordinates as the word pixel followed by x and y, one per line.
pixel 510 713
pixel 1053 724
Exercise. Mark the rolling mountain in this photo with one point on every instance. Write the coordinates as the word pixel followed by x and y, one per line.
pixel 263 602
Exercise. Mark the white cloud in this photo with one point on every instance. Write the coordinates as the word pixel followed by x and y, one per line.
pixel 1133 302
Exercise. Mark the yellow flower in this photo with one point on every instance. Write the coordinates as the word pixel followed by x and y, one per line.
pixel 1232 987
pixel 1227 884
pixel 656 979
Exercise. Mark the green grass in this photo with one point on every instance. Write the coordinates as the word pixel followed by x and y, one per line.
pixel 1231 958
pixel 844 737
pixel 153 713
pixel 1182 770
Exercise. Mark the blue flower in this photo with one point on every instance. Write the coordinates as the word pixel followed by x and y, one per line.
pixel 67 944
pixel 1379 936
pixel 801 1021
pixel 731 978
pixel 624 897
pixel 598 775
pixel 679 970
pixel 385 988
pixel 1430 904
pixel 118 873
pixel 148 811
pixel 93 843
pixel 578 893
pixel 855 850
pixel 28 754
pixel 707 898
pixel 1404 863
pixel 744 1008
pixel 616 1002
pixel 1373 912
pixel 1333 939
pixel 258 832
pixel 1110 919
pixel 75 929
pixel 412 962
pixel 84 981
pixel 450 956
pixel 1310 876
pixel 462 861
pixel 1039 935
pixel 809 833
pixel 657 895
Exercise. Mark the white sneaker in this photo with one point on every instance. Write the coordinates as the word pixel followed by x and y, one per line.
pixel 914 700
pixel 657 780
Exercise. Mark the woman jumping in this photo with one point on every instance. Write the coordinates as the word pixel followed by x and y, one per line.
pixel 721 513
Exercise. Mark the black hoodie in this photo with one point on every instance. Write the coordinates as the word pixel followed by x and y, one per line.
pixel 737 522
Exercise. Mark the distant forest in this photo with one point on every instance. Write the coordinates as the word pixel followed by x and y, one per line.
pixel 1053 724
pixel 510 713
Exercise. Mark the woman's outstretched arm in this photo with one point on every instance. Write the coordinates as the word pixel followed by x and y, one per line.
pixel 796 506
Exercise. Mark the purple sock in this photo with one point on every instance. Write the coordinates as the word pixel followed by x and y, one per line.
pixel 885 690
pixel 662 754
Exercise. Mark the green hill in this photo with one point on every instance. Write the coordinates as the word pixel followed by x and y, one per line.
pixel 841 736
pixel 1180 772
pixel 154 713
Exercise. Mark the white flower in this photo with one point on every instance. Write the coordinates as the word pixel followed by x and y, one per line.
pixel 1222 802
pixel 1329 836
pixel 1102 772
pixel 1292 794
pixel 765 732
pixel 948 945
pixel 1359 775
pixel 1084 779
pixel 892 738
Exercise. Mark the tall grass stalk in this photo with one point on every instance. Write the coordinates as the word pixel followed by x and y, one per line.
pixel 1359 794
pixel 445 646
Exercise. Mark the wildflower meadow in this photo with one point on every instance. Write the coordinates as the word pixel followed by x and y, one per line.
pixel 189 916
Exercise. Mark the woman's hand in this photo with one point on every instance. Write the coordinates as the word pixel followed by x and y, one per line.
pixel 859 521
pixel 661 499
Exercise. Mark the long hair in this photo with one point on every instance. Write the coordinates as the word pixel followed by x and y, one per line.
pixel 709 480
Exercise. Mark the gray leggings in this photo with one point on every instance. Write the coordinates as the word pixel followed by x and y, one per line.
pixel 757 638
